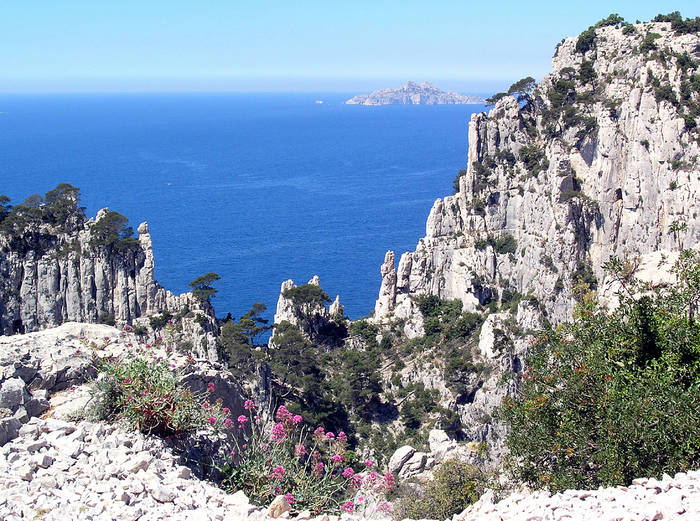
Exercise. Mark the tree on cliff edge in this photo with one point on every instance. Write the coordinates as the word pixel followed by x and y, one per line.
pixel 202 288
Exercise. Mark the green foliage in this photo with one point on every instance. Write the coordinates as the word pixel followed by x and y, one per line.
pixel 678 24
pixel 586 73
pixel 366 331
pixel 534 159
pixel 649 42
pixel 611 397
pixel 289 462
pixel 505 244
pixel 490 102
pixel 202 288
pixel 145 393
pixel 240 339
pixel 628 30
pixel 160 321
pixel 522 89
pixel 455 486
pixel 445 318
pixel 307 296
pixel 586 41
pixel 665 93
pixel 59 209
pixel 611 20
pixel 113 231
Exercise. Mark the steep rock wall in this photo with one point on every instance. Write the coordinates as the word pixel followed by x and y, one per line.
pixel 592 166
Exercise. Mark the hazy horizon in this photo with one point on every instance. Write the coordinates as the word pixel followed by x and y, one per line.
pixel 275 46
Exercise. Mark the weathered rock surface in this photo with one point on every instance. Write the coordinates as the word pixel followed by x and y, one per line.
pixel 612 184
pixel 414 94
pixel 62 277
pixel 547 200
pixel 647 499
pixel 42 369
pixel 315 320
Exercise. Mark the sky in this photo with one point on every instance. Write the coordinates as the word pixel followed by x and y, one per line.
pixel 292 45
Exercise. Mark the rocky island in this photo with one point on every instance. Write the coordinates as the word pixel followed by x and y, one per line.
pixel 414 94
pixel 536 357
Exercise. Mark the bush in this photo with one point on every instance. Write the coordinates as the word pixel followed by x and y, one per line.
pixel 310 473
pixel 648 43
pixel 608 397
pixel 455 486
pixel 147 396
pixel 505 244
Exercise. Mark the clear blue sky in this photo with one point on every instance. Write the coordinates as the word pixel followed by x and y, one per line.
pixel 259 45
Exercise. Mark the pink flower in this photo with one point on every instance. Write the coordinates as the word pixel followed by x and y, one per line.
pixel 369 463
pixel 330 435
pixel 389 481
pixel 318 469
pixel 360 499
pixel 337 458
pixel 386 507
pixel 300 450
pixel 127 380
pixel 128 328
pixel 277 472
pixel 283 414
pixel 319 432
pixel 356 481
pixel 289 498
pixel 316 455
pixel 106 338
pixel 242 419
pixel 249 405
pixel 348 473
pixel 278 433
pixel 342 437
pixel 205 405
pixel 348 507
pixel 226 410
pixel 228 423
pixel 210 387
pixel 212 420
pixel 296 419
pixel 148 345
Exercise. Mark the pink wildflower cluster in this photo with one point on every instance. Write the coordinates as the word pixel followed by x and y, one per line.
pixel 242 419
pixel 210 387
pixel 277 472
pixel 249 404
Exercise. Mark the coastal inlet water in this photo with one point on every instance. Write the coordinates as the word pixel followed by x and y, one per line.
pixel 258 188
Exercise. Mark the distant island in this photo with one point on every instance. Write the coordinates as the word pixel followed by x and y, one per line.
pixel 414 94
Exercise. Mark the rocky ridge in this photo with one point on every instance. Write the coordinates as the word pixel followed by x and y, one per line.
pixel 413 94
pixel 599 161
pixel 56 276
pixel 547 201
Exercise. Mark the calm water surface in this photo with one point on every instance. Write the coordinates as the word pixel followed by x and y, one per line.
pixel 256 187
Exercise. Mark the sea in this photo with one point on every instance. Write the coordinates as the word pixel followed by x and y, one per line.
pixel 258 188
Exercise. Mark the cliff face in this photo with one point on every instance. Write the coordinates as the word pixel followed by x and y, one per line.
pixel 413 94
pixel 600 161
pixel 52 276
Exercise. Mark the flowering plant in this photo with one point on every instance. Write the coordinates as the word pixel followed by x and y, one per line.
pixel 308 470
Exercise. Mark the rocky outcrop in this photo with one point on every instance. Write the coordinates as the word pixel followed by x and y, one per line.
pixel 321 324
pixel 601 161
pixel 414 94
pixel 676 498
pixel 58 277
pixel 38 369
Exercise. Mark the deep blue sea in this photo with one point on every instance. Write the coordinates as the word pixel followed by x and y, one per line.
pixel 256 187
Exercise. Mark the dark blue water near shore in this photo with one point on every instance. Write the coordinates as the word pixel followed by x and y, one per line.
pixel 256 187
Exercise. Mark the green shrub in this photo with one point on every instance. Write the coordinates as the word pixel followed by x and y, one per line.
pixel 147 396
pixel 505 244
pixel 609 397
pixel 628 30
pixel 310 471
pixel 455 486
pixel 649 42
